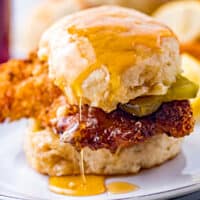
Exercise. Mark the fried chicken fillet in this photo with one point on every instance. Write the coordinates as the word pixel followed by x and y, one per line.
pixel 98 129
pixel 25 89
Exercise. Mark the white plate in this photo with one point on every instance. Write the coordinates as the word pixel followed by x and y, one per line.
pixel 176 177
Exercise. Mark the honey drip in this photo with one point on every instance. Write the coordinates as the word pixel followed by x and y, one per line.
pixel 121 187
pixel 80 109
pixel 74 186
pixel 82 168
pixel 81 153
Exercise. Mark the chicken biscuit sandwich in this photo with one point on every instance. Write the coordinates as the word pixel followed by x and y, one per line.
pixel 106 82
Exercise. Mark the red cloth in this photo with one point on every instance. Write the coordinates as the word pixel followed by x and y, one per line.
pixel 4 30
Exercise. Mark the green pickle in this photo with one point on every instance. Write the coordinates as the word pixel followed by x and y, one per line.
pixel 180 90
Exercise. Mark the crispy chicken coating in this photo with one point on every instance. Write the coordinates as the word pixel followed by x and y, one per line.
pixel 98 129
pixel 25 89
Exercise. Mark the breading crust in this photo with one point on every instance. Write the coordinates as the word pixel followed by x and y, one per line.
pixel 98 129
pixel 26 89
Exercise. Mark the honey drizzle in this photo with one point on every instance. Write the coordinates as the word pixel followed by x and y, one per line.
pixel 82 168
pixel 122 48
pixel 80 109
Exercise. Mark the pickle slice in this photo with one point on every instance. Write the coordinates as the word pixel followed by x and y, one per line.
pixel 180 90
pixel 142 106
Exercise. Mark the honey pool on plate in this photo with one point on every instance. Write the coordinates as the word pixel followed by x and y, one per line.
pixel 91 185
pixel 75 186
pixel 119 187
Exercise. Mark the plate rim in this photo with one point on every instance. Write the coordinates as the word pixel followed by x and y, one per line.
pixel 153 196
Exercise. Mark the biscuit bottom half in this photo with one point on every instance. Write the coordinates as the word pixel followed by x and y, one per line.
pixel 48 155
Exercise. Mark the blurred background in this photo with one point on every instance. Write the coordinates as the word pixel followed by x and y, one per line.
pixel 29 18
pixel 23 21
